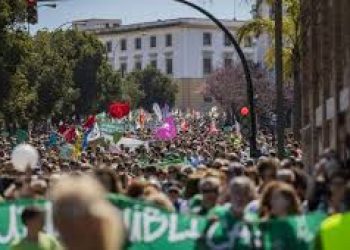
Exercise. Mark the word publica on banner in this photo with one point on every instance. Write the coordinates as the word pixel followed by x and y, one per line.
pixel 149 227
pixel 152 228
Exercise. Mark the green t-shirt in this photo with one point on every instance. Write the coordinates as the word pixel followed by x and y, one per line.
pixel 195 206
pixel 231 233
pixel 45 242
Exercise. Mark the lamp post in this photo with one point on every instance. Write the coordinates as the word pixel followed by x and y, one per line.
pixel 279 77
pixel 62 25
pixel 250 89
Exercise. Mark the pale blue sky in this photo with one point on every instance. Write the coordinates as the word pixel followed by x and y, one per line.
pixel 131 11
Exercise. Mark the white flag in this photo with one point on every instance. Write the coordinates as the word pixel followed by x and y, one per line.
pixel 94 134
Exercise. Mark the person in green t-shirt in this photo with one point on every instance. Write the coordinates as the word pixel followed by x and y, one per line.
pixel 33 219
pixel 210 189
pixel 230 217
pixel 242 192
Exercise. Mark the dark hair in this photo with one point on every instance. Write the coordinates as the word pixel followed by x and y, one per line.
pixel 347 196
pixel 252 173
pixel 192 185
pixel 268 163
pixel 30 213
pixel 136 189
pixel 114 184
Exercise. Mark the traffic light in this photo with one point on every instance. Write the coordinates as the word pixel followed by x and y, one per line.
pixel 32 11
pixel 245 122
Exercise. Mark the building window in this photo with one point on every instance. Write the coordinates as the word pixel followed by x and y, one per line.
pixel 168 40
pixel 169 66
pixel 153 41
pixel 207 39
pixel 123 68
pixel 227 41
pixel 109 46
pixel 154 63
pixel 138 65
pixel 207 65
pixel 227 62
pixel 107 25
pixel 123 44
pixel 138 43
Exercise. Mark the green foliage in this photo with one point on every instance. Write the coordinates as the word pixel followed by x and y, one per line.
pixel 20 96
pixel 12 12
pixel 155 86
pixel 64 72
pixel 291 34
pixel 85 54
pixel 110 84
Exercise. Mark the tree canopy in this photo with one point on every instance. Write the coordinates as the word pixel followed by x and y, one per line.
pixel 61 73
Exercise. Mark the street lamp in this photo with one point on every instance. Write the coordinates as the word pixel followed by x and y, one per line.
pixel 279 76
pixel 250 89
pixel 50 5
pixel 62 25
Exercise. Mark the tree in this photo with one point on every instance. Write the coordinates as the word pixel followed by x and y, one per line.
pixel 13 48
pixel 51 75
pixel 18 100
pixel 291 50
pixel 110 86
pixel 155 86
pixel 232 78
pixel 86 54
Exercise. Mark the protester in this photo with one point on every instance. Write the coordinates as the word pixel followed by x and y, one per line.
pixel 197 173
pixel 33 218
pixel 279 200
pixel 83 216
pixel 334 231
pixel 242 192
pixel 209 188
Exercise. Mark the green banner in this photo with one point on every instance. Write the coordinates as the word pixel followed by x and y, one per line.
pixel 152 228
pixel 155 229
pixel 111 127
pixel 11 227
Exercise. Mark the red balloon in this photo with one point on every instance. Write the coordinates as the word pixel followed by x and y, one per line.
pixel 244 111
pixel 119 110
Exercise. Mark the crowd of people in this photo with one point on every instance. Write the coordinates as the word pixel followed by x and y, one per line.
pixel 215 178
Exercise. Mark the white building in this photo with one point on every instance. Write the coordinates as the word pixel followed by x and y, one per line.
pixel 187 49
pixel 261 9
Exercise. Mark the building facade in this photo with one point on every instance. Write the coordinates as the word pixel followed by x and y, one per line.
pixel 261 9
pixel 186 49
pixel 325 76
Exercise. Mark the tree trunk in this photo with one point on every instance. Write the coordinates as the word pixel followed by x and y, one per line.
pixel 279 77
pixel 296 97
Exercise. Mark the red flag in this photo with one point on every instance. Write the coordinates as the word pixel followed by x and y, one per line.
pixel 89 123
pixel 119 110
pixel 70 135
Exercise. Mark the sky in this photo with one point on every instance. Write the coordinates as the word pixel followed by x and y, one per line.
pixel 134 11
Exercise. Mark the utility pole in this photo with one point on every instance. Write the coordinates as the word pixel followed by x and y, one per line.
pixel 279 76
